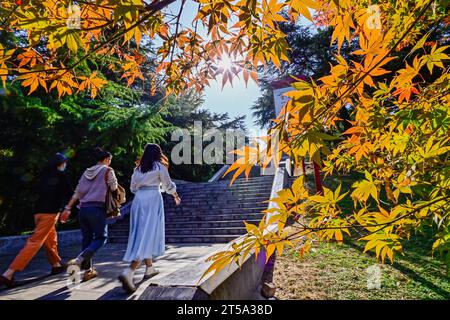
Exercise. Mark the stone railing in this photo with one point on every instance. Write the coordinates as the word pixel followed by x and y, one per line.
pixel 219 173
pixel 12 245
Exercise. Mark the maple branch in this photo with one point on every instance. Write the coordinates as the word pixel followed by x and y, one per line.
pixel 172 48
pixel 177 25
pixel 100 26
pixel 9 16
pixel 384 224
pixel 87 3
pixel 308 230
pixel 158 5
pixel 350 89
pixel 405 216
pixel 153 7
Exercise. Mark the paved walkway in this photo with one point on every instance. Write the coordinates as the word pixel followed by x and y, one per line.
pixel 33 284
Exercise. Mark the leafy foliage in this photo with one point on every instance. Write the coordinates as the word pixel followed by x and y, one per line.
pixel 398 138
pixel 118 28
pixel 104 111
pixel 399 133
pixel 310 55
pixel 34 128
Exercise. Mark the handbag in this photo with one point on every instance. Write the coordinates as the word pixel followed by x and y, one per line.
pixel 114 199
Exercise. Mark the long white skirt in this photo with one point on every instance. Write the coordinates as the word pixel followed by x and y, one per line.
pixel 147 235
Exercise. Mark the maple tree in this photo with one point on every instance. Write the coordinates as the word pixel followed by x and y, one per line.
pixel 399 135
pixel 399 138
pixel 58 30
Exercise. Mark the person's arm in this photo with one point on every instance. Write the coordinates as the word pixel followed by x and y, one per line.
pixel 133 183
pixel 112 180
pixel 168 185
pixel 66 188
pixel 68 208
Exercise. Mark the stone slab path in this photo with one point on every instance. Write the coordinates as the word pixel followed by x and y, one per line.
pixel 34 284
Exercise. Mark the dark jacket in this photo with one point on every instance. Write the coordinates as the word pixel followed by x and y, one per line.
pixel 54 191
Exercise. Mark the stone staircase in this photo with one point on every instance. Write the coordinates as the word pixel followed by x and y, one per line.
pixel 210 212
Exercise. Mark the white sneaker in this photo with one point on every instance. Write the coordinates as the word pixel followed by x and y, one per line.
pixel 150 272
pixel 74 266
pixel 76 262
pixel 126 277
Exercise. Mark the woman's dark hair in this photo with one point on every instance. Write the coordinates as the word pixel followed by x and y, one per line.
pixel 55 161
pixel 100 154
pixel 152 154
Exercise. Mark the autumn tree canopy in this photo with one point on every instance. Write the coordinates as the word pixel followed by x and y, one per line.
pixel 57 30
pixel 399 136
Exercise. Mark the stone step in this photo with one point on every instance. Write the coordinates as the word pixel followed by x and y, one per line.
pixel 262 179
pixel 224 197
pixel 205 231
pixel 185 239
pixel 197 213
pixel 201 238
pixel 187 231
pixel 184 209
pixel 243 186
pixel 226 181
pixel 210 212
pixel 265 184
pixel 217 205
pixel 195 225
pixel 201 218
pixel 221 212
pixel 214 217
pixel 230 203
pixel 227 184
pixel 242 180
pixel 220 192
pixel 170 216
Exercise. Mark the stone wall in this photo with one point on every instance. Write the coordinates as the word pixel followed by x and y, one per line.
pixel 11 245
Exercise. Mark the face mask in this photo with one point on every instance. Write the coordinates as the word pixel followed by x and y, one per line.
pixel 62 167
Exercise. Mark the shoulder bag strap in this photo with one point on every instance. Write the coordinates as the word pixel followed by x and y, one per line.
pixel 106 177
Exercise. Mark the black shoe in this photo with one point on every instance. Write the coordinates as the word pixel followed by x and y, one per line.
pixel 6 282
pixel 86 265
pixel 58 270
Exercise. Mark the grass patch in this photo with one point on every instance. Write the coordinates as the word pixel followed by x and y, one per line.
pixel 333 271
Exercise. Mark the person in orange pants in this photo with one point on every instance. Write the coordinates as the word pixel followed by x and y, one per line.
pixel 54 190
pixel 43 235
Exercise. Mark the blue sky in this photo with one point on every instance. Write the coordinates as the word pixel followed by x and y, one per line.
pixel 235 100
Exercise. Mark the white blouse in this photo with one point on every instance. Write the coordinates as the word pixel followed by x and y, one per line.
pixel 158 177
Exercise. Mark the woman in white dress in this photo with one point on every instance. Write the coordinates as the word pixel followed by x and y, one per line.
pixel 147 237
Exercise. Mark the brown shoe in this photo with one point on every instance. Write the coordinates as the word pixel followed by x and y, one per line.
pixel 6 282
pixel 58 270
pixel 90 274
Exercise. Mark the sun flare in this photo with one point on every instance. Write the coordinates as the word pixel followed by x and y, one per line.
pixel 225 62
